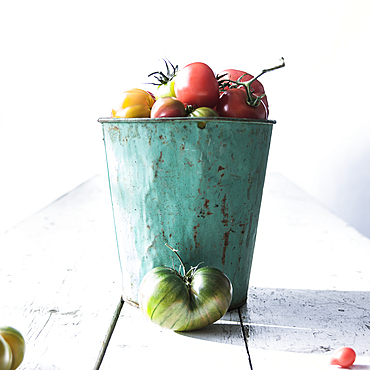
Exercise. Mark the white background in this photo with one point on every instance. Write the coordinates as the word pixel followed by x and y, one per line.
pixel 63 63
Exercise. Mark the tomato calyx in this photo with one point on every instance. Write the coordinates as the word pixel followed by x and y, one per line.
pixel 187 276
pixel 164 78
pixel 190 109
pixel 224 84
pixel 252 99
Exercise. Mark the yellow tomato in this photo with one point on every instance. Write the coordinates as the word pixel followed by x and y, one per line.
pixel 16 343
pixel 134 103
pixel 6 356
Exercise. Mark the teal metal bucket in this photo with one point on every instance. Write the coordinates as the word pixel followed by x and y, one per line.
pixel 195 184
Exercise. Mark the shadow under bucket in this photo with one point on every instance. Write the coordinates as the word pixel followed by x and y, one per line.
pixel 193 183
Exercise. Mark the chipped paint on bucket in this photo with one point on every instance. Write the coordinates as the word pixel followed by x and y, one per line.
pixel 194 184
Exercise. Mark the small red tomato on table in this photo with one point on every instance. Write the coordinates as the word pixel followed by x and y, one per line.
pixel 343 357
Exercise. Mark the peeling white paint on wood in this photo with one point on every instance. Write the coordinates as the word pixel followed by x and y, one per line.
pixel 307 321
pixel 137 341
pixel 59 278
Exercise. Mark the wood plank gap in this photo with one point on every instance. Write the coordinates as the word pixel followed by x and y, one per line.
pixel 245 338
pixel 109 334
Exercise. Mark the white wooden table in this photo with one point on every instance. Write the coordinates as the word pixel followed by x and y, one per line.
pixel 309 291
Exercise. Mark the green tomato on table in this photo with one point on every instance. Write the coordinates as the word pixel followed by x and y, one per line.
pixel 185 302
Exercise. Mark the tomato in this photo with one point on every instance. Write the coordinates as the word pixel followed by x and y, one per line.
pixel 344 357
pixel 233 103
pixel 168 107
pixel 203 112
pixel 167 89
pixel 185 302
pixel 240 99
pixel 17 344
pixel 165 81
pixel 197 85
pixel 134 103
pixel 236 75
pixel 6 355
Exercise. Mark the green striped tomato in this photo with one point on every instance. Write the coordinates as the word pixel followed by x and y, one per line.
pixel 185 302
pixel 203 112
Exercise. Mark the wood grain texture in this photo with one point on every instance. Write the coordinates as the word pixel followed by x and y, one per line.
pixel 310 284
pixel 60 279
pixel 307 321
pixel 137 341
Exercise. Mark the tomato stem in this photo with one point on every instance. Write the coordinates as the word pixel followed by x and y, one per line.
pixel 268 70
pixel 163 78
pixel 251 99
pixel 178 256
pixel 254 101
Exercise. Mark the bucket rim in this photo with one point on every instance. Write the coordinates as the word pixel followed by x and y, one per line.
pixel 187 119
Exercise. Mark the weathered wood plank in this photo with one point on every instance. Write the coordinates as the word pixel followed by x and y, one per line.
pixel 138 342
pixel 281 360
pixel 60 279
pixel 309 283
pixel 307 321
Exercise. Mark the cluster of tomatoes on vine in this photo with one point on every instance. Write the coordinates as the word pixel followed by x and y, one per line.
pixel 196 91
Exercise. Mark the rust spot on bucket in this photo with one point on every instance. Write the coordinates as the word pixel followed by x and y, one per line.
pixel 195 228
pixel 220 168
pixel 224 211
pixel 226 243
pixel 206 206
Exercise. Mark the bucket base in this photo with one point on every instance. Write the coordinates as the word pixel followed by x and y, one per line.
pixel 236 305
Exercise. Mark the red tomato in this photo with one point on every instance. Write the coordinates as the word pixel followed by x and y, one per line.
pixel 234 74
pixel 256 86
pixel 344 357
pixel 197 85
pixel 233 103
pixel 168 107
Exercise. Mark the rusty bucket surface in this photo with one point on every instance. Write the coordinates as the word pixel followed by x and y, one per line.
pixel 193 183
